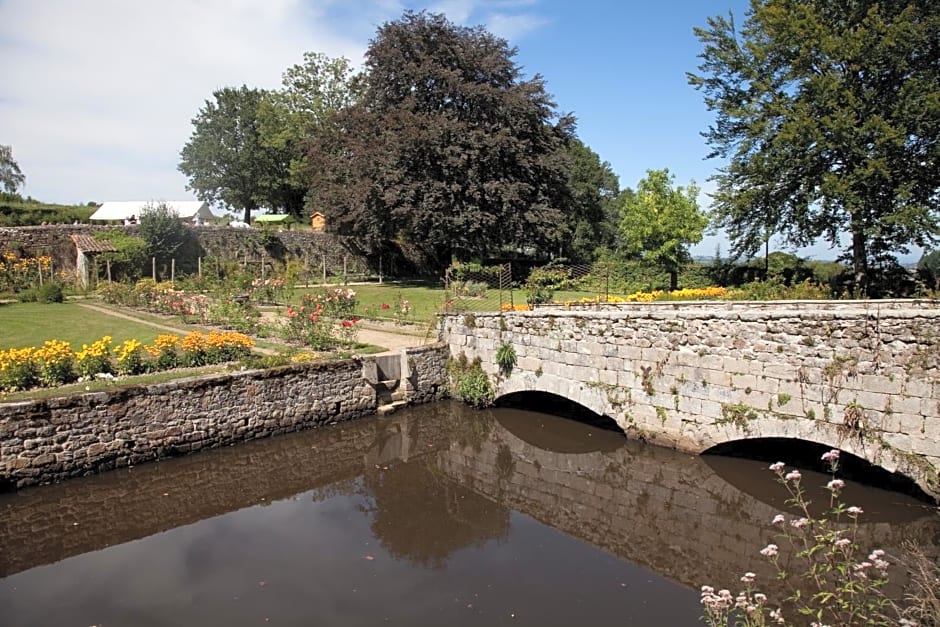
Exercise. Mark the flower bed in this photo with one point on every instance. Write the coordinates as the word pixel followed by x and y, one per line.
pixel 56 363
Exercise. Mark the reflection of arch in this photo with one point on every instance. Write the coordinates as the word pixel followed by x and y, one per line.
pixel 744 465
pixel 559 436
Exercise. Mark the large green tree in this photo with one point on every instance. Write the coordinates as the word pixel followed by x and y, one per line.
pixel 312 93
pixel 828 117
pixel 659 222
pixel 10 175
pixel 592 215
pixel 446 146
pixel 226 158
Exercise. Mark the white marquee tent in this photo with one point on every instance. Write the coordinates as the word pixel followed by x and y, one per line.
pixel 185 209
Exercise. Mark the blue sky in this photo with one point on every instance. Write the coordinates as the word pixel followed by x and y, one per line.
pixel 98 95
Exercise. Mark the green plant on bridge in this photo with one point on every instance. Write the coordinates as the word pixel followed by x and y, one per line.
pixel 739 415
pixel 506 358
pixel 469 383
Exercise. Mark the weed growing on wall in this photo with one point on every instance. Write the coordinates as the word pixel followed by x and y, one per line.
pixel 506 358
pixel 469 383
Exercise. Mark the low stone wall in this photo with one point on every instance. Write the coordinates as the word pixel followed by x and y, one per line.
pixel 43 441
pixel 860 376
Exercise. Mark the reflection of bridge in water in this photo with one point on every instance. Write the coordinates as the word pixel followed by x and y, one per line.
pixel 438 478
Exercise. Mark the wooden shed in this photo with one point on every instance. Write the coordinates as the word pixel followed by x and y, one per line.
pixel 318 222
pixel 87 248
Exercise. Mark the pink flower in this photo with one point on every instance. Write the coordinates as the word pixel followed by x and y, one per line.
pixel 778 519
pixel 799 523
pixel 854 511
pixel 831 456
pixel 843 542
pixel 748 578
pixel 835 485
pixel 777 467
pixel 793 475
pixel 769 551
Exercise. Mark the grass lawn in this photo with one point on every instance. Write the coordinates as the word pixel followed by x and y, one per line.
pixel 31 324
pixel 426 300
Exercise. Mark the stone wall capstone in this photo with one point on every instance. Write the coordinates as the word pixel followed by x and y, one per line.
pixel 860 376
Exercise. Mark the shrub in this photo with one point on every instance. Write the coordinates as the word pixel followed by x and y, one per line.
pixel 56 363
pixel 49 293
pixel 469 382
pixel 129 358
pixel 18 369
pixel 164 353
pixel 95 359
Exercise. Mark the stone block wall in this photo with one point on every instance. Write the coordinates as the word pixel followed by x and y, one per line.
pixel 42 441
pixel 856 375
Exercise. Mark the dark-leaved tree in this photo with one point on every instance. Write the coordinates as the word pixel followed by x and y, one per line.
pixel 593 212
pixel 447 146
pixel 828 114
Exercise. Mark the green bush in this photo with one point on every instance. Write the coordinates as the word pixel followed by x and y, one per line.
pixel 49 293
pixel 469 383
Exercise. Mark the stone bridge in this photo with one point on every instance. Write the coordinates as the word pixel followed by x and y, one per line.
pixel 860 376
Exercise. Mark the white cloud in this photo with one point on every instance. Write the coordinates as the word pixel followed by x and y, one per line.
pixel 107 88
pixel 513 27
pixel 97 97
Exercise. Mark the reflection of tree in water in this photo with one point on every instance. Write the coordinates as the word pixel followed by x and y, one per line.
pixel 421 516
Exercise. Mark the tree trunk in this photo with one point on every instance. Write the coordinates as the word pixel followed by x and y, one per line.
pixel 673 280
pixel 859 256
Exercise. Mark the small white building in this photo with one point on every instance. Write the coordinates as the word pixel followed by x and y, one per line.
pixel 187 210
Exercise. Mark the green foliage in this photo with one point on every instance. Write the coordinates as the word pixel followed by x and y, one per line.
pixel 49 293
pixel 226 158
pixel 130 260
pixel 11 178
pixel 163 233
pixel 15 211
pixel 660 221
pixel 928 269
pixel 446 146
pixel 829 122
pixel 469 383
pixel 591 219
pixel 543 282
pixel 831 580
pixel 311 94
pixel 506 358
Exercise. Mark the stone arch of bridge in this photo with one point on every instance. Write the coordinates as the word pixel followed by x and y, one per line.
pixel 591 399
pixel 699 438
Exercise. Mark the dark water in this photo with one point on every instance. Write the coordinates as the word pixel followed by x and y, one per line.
pixel 437 515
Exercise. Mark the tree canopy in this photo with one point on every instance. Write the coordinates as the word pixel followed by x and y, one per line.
pixel 828 117
pixel 10 175
pixel 311 94
pixel 226 158
pixel 593 213
pixel 446 146
pixel 660 221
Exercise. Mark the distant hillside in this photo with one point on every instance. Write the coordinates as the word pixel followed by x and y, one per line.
pixel 17 211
